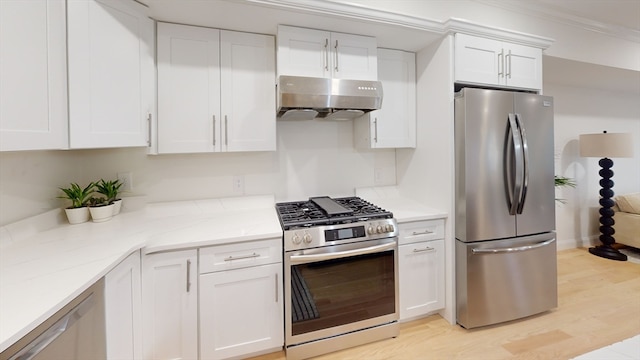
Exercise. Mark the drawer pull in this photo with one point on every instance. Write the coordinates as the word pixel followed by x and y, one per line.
pixel 427 249
pixel 426 232
pixel 231 258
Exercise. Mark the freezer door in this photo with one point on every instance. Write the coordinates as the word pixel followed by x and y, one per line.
pixel 536 212
pixel 504 280
pixel 481 128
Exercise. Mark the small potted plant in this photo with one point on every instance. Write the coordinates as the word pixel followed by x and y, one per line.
pixel 78 212
pixel 110 190
pixel 100 209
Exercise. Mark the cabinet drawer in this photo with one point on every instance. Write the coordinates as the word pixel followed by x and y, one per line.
pixel 240 255
pixel 421 231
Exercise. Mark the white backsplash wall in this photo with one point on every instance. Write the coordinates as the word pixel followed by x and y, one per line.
pixel 312 158
pixel 29 181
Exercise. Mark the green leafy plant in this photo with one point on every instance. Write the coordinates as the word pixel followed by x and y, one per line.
pixel 79 196
pixel 109 188
pixel 561 181
pixel 97 201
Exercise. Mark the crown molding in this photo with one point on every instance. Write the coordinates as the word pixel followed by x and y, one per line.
pixel 547 12
pixel 353 11
pixel 452 25
pixel 455 25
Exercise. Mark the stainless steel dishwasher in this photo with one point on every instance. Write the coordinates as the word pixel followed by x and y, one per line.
pixel 76 332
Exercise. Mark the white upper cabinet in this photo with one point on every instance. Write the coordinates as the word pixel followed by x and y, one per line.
pixel 248 91
pixel 33 85
pixel 317 53
pixel 490 62
pixel 111 73
pixel 216 90
pixel 394 125
pixel 188 89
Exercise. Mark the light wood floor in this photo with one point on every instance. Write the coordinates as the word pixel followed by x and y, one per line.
pixel 599 304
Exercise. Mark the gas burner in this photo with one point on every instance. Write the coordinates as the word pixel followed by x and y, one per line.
pixel 318 211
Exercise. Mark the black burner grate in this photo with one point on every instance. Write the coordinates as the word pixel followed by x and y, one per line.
pixel 310 213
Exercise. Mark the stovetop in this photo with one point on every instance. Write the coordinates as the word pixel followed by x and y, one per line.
pixel 319 211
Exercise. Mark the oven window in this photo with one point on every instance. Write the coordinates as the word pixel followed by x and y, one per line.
pixel 337 292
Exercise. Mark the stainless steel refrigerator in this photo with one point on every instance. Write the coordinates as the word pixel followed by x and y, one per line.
pixel 505 209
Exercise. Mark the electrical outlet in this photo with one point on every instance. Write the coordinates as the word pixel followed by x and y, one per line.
pixel 126 178
pixel 238 185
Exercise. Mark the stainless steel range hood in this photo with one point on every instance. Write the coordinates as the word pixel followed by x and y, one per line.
pixel 306 98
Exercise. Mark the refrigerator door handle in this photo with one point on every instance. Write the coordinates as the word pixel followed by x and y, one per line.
pixel 512 250
pixel 514 191
pixel 525 160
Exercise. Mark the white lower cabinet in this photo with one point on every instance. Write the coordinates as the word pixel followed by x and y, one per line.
pixel 421 267
pixel 241 306
pixel 170 305
pixel 123 310
pixel 241 312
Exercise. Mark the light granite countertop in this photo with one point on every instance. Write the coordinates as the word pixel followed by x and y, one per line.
pixel 43 267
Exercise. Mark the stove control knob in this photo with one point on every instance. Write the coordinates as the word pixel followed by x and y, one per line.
pixel 370 230
pixel 296 239
pixel 307 238
pixel 379 229
pixel 390 228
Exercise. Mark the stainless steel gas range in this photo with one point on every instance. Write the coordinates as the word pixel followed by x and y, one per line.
pixel 341 274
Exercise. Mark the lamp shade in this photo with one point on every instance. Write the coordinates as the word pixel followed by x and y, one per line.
pixel 605 144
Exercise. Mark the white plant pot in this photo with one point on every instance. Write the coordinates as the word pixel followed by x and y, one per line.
pixel 101 213
pixel 77 215
pixel 117 205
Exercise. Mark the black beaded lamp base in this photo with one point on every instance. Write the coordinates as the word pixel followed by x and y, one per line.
pixel 606 250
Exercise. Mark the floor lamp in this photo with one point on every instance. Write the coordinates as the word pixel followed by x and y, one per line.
pixel 606 146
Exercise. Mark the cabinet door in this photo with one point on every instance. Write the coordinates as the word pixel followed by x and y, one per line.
pixel 241 312
pixel 170 305
pixel 188 89
pixel 248 91
pixel 394 126
pixel 353 57
pixel 109 46
pixel 303 52
pixel 478 60
pixel 33 75
pixel 123 310
pixel 523 66
pixel 421 267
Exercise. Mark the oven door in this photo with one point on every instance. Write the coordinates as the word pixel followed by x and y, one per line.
pixel 338 289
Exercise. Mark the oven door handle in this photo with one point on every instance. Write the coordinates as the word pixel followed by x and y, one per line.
pixel 298 259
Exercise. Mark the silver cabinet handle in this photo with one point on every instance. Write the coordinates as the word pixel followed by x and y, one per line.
pixel 501 63
pixel 336 55
pixel 511 250
pixel 375 127
pixel 214 130
pixel 426 232
pixel 231 258
pixel 188 275
pixel 149 129
pixel 276 287
pixel 41 342
pixel 427 249
pixel 326 54
pixel 226 131
pixel 509 68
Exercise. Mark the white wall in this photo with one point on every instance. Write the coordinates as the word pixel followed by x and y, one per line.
pixel 313 158
pixel 590 109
